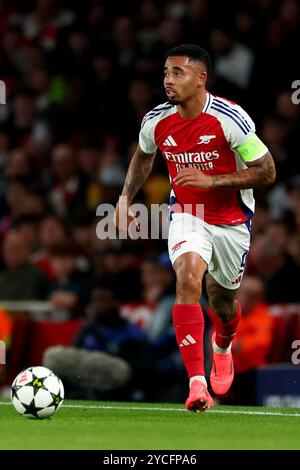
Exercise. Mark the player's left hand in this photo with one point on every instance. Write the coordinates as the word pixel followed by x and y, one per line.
pixel 193 177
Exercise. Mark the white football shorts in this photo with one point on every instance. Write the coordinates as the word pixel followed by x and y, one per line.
pixel 223 247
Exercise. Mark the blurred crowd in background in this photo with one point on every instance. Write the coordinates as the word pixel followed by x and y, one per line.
pixel 79 79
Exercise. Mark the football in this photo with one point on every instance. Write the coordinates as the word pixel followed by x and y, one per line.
pixel 37 393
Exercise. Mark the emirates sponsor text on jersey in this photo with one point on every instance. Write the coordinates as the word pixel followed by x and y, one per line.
pixel 197 159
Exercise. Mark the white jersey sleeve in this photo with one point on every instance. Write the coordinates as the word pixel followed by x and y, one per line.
pixel 149 123
pixel 146 137
pixel 239 129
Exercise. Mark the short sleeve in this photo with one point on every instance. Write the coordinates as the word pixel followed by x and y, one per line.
pixel 146 137
pixel 242 137
pixel 240 125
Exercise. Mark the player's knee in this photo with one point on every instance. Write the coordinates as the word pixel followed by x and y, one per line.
pixel 188 283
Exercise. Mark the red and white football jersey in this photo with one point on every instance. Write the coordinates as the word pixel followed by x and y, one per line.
pixel 207 142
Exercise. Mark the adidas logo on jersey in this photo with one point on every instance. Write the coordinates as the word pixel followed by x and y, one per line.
pixel 205 139
pixel 187 341
pixel 170 142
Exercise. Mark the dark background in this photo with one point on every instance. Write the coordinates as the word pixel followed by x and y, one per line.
pixel 80 77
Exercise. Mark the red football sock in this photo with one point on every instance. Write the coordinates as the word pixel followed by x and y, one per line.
pixel 189 327
pixel 225 332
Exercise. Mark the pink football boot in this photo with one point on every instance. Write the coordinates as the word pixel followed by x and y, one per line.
pixel 222 371
pixel 199 398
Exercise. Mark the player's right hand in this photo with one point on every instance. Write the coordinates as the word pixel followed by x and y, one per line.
pixel 124 217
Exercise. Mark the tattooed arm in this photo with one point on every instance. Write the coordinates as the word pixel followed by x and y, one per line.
pixel 139 169
pixel 259 174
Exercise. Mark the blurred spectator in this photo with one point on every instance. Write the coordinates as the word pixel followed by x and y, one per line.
pixel 289 15
pixel 72 52
pixel 53 231
pixel 98 114
pixel 24 126
pixel 19 200
pixel 270 260
pixel 70 286
pixel 20 280
pixel 10 59
pixel 68 193
pixel 12 206
pixel 98 21
pixel 83 231
pixel 28 226
pixel 157 278
pixel 262 216
pixel 46 21
pixel 106 332
pixel 125 42
pixel 18 164
pixel 246 25
pixel 251 347
pixel 274 133
pixel 233 60
pixel 140 99
pixel 88 159
pixel 38 80
pixel 196 22
pixel 117 268
pixel 148 21
pixel 170 35
pixel 111 172
pixel 293 199
pixel 285 108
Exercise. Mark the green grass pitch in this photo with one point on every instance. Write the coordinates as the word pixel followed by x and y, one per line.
pixel 99 425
